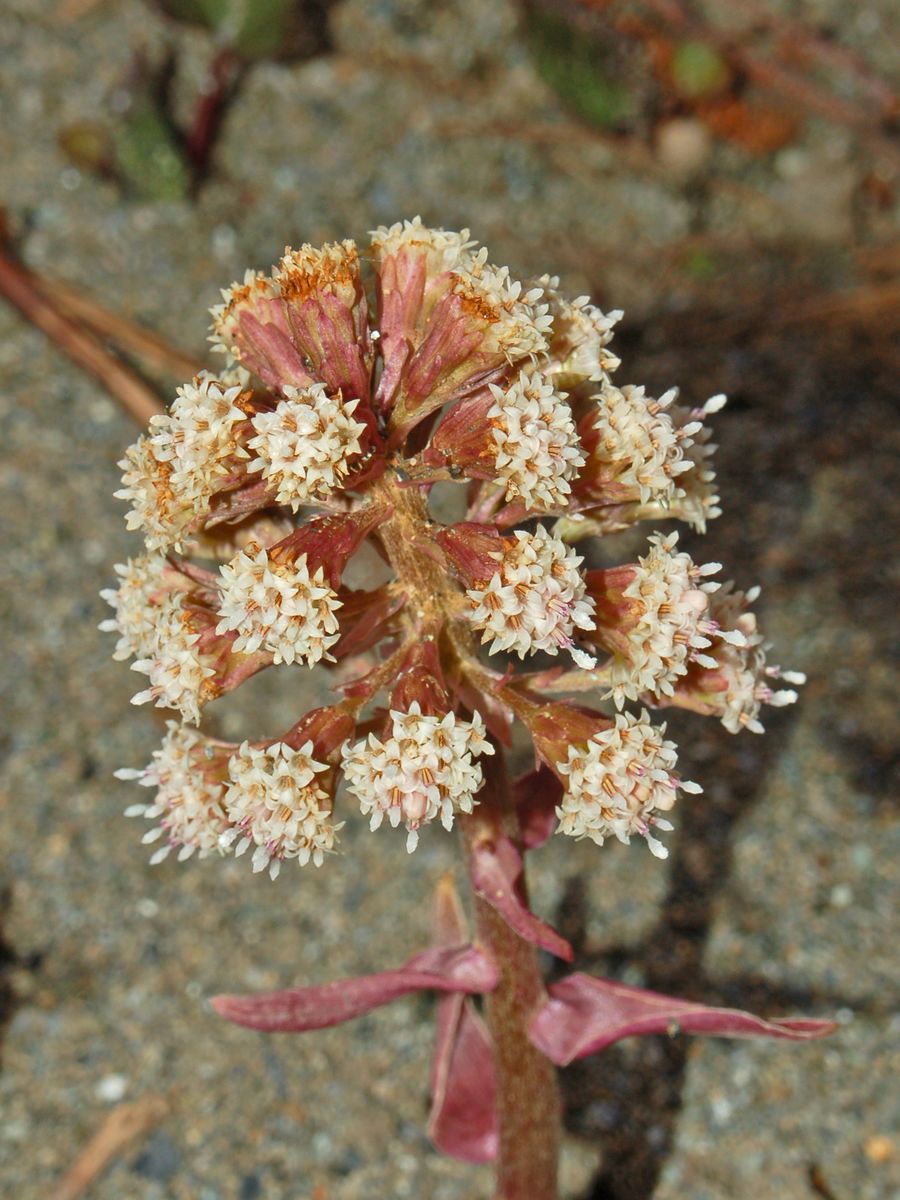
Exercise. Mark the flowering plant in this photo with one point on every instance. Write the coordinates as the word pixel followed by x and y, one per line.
pixel 338 409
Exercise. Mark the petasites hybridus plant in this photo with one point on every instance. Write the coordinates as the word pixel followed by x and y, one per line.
pixel 351 385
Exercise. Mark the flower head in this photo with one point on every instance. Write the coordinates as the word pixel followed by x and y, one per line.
pixel 278 800
pixel 189 796
pixel 580 335
pixel 736 680
pixel 535 600
pixel 180 674
pixel 636 449
pixel 423 769
pixel 276 604
pixel 191 453
pixel 537 451
pixel 143 584
pixel 655 618
pixel 303 447
pixel 357 380
pixel 619 783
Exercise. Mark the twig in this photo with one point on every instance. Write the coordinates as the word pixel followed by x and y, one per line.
pixel 153 351
pixel 122 384
pixel 125 1123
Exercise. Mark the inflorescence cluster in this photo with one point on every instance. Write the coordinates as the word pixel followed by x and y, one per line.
pixel 349 388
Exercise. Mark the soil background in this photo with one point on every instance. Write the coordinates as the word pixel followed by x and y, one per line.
pixel 766 273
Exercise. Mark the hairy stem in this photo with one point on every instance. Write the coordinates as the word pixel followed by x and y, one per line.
pixel 528 1100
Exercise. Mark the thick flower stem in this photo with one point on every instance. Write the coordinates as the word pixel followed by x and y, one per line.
pixel 528 1100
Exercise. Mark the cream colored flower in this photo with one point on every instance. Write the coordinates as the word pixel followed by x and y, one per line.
pixel 179 677
pixel 171 474
pixel 638 445
pixel 146 485
pixel 580 336
pixel 537 448
pixel 619 783
pixel 188 802
pixel 535 600
pixel 670 597
pixel 516 321
pixel 304 446
pixel 423 770
pixel 746 679
pixel 278 606
pixel 277 803
pixel 442 250
pixel 143 584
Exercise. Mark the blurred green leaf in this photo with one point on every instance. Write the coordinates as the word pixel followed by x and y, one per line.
pixel 699 71
pixel 148 156
pixel 251 28
pixel 571 63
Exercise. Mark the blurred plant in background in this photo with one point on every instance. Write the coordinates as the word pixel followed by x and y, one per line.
pixel 143 147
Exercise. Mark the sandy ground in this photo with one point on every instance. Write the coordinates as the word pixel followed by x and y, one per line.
pixel 779 893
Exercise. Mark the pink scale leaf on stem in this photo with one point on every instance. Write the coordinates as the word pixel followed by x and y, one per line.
pixel 463 1118
pixel 497 876
pixel 297 1010
pixel 584 1015
pixel 536 796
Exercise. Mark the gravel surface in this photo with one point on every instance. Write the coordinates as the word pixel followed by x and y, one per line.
pixel 780 891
